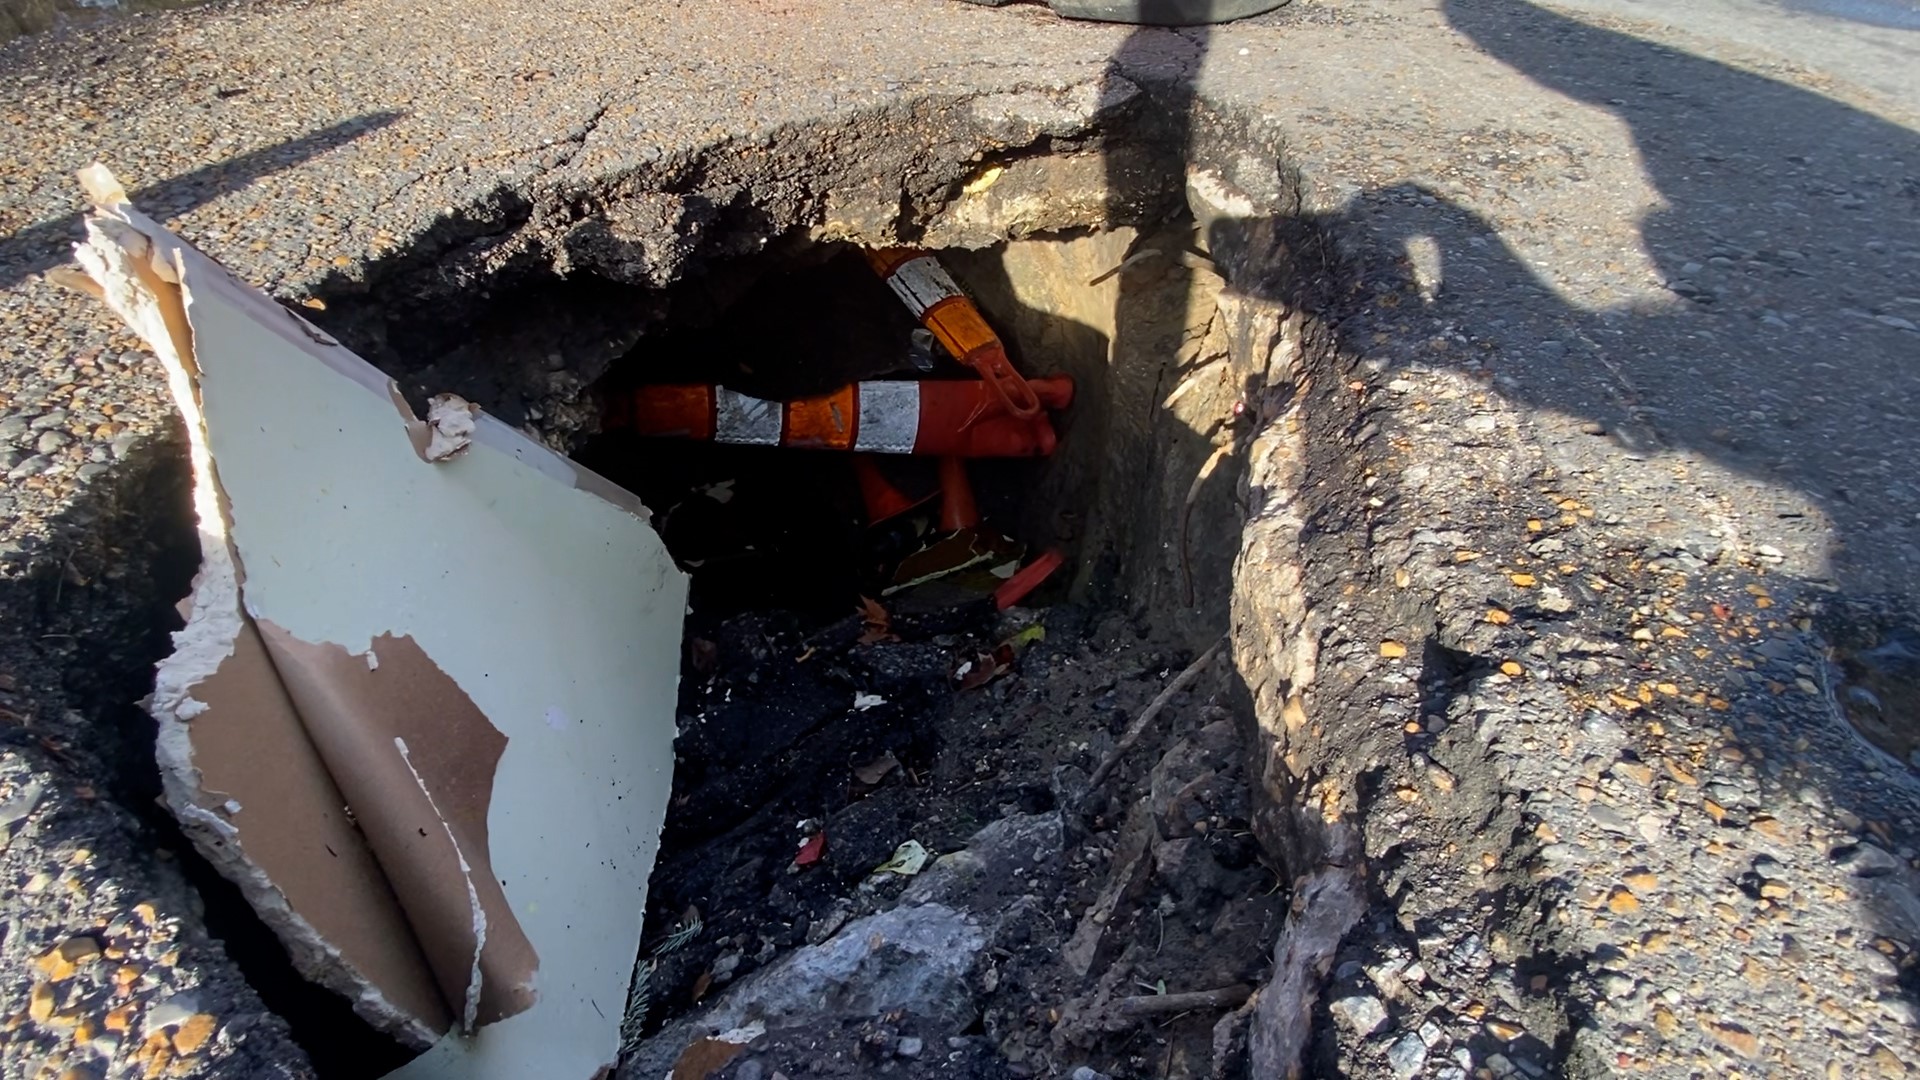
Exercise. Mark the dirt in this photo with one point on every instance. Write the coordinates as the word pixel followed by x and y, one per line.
pixel 773 751
pixel 821 729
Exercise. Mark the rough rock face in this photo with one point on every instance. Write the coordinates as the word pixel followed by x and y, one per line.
pixel 913 960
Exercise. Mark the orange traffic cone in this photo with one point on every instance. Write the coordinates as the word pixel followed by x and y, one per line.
pixel 942 417
pixel 883 501
pixel 920 282
pixel 957 508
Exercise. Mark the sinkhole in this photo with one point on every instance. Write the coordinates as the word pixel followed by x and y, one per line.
pixel 808 593
pixel 854 665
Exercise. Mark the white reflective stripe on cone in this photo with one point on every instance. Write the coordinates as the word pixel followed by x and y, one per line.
pixel 889 417
pixel 738 418
pixel 922 283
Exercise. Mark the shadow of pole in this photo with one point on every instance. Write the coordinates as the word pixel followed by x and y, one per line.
pixel 39 248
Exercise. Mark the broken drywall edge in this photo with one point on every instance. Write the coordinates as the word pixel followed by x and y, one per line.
pixel 422 813
pixel 141 286
pixel 603 653
pixel 470 1007
pixel 218 841
pixel 312 956
pixel 450 419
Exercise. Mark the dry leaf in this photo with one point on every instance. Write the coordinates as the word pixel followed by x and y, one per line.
pixel 979 671
pixel 702 654
pixel 879 625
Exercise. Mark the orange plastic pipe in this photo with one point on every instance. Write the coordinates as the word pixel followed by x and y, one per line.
pixel 958 417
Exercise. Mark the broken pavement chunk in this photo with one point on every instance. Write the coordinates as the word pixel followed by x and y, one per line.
pixel 422 714
pixel 913 960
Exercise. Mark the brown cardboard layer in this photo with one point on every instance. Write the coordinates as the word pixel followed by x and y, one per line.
pixel 292 822
pixel 415 759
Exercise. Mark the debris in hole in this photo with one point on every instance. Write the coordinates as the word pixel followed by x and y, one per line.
pixel 985 666
pixel 640 991
pixel 847 965
pixel 876 624
pixel 907 860
pixel 920 350
pixel 478 899
pixel 706 1057
pixel 1153 710
pixel 963 549
pixel 811 849
pixel 876 770
pixel 1023 581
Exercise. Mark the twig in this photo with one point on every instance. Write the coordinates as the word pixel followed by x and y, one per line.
pixel 1227 997
pixel 1137 257
pixel 1186 513
pixel 1139 725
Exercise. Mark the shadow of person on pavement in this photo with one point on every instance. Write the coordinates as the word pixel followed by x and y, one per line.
pixel 1781 346
pixel 1788 240
pixel 1788 234
pixel 1782 349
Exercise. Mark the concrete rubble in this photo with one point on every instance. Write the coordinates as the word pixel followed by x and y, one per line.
pixel 913 960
